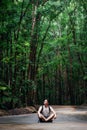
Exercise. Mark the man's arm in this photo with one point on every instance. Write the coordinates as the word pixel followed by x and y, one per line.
pixel 39 111
pixel 52 110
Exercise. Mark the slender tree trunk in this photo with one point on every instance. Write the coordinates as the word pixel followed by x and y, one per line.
pixel 69 79
pixel 32 56
pixel 44 86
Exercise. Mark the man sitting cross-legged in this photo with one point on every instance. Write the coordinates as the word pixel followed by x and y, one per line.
pixel 46 112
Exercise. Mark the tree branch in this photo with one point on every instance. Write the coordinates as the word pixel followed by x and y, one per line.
pixel 23 13
pixel 41 48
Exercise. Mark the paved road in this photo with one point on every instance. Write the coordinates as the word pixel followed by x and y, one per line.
pixel 68 118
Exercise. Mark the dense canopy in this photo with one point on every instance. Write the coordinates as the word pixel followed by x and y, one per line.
pixel 43 52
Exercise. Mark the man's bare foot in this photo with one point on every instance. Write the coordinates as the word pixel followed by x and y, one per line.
pixel 47 119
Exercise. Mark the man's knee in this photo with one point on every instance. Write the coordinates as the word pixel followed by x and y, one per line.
pixel 40 116
pixel 52 115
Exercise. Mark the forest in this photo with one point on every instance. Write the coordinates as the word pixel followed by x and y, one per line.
pixel 43 52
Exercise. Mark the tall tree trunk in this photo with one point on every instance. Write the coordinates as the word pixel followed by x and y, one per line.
pixel 60 87
pixel 70 79
pixel 32 55
pixel 44 86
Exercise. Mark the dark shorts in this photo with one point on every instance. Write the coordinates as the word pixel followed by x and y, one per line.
pixel 41 120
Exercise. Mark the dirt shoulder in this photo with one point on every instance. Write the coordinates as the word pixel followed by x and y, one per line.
pixel 59 109
pixel 18 111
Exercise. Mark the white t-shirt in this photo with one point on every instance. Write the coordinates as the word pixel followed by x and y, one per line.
pixel 46 110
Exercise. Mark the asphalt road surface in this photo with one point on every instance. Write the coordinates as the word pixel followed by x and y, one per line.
pixel 68 118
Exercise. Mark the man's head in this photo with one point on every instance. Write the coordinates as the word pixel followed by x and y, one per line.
pixel 46 102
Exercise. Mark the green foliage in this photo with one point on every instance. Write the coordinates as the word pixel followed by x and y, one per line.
pixel 49 36
pixel 3 88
